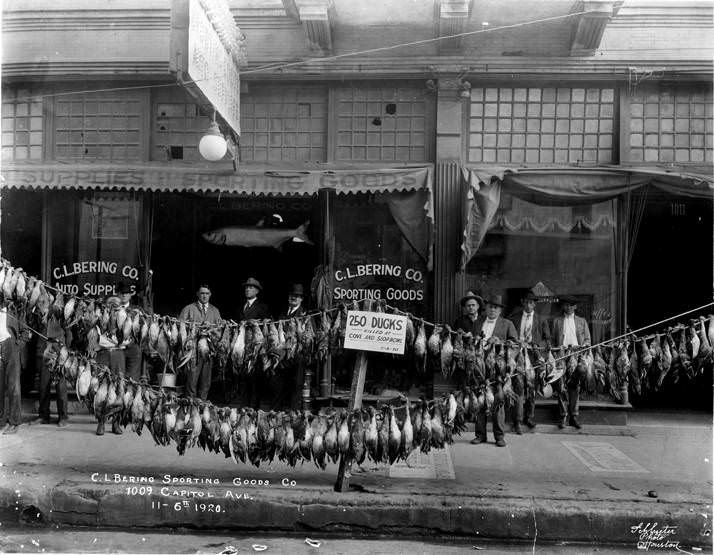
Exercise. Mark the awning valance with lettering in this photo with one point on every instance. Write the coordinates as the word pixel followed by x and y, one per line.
pixel 288 180
pixel 562 186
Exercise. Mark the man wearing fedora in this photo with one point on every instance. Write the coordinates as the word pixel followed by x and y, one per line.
pixel 207 316
pixel 532 329
pixel 569 330
pixel 491 326
pixel 288 381
pixel 253 309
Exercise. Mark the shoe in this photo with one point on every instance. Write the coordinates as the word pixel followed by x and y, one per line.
pixel 561 424
pixel 530 424
pixel 500 442
pixel 10 430
pixel 62 423
pixel 40 420
pixel 574 422
pixel 100 428
pixel 517 429
pixel 117 429
pixel 476 440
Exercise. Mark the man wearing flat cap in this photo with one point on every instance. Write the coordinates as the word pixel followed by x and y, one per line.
pixel 532 329
pixel 470 304
pixel 491 326
pixel 253 309
pixel 569 330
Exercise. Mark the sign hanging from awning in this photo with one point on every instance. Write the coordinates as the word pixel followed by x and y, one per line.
pixel 206 51
pixel 185 179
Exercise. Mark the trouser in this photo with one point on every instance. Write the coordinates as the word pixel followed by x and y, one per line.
pixel 198 381
pixel 116 360
pixel 524 410
pixel 10 410
pixel 287 383
pixel 498 415
pixel 46 386
pixel 568 394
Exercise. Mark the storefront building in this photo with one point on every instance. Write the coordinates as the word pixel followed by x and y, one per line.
pixel 544 159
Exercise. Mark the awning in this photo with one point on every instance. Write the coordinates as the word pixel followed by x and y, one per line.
pixel 250 180
pixel 563 185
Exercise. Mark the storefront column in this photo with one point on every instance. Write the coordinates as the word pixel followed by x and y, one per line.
pixel 448 279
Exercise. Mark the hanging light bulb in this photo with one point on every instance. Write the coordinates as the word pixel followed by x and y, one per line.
pixel 212 145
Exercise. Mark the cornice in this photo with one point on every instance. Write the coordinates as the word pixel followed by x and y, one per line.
pixel 15 21
pixel 397 68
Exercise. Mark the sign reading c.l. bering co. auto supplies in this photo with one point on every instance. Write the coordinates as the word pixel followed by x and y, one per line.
pixel 375 331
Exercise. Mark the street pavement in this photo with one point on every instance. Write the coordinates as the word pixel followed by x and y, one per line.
pixel 650 481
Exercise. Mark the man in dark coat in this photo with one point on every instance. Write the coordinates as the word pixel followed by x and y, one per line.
pixel 256 386
pixel 492 327
pixel 288 381
pixel 11 330
pixel 470 305
pixel 569 330
pixel 532 329
pixel 253 309
pixel 198 381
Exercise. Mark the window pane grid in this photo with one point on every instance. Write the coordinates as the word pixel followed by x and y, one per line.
pixel 670 125
pixel 283 124
pixel 381 124
pixel 177 123
pixel 22 126
pixel 104 126
pixel 541 125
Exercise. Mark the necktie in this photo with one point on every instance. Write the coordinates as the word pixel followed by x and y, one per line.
pixel 246 307
pixel 528 329
pixel 204 309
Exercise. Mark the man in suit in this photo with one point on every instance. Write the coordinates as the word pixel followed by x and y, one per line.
pixel 569 330
pixel 256 385
pixel 533 329
pixel 253 309
pixel 207 316
pixel 492 327
pixel 288 381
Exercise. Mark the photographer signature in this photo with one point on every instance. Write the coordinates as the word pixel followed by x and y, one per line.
pixel 651 535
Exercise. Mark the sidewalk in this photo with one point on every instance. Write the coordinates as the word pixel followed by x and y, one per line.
pixel 551 485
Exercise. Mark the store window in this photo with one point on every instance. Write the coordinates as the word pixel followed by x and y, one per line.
pixel 99 126
pixel 22 126
pixel 95 242
pixel 541 125
pixel 670 124
pixel 382 124
pixel 284 123
pixel 559 250
pixel 374 259
pixel 178 126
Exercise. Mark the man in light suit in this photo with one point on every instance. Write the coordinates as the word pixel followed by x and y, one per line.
pixel 491 326
pixel 533 329
pixel 569 330
pixel 198 382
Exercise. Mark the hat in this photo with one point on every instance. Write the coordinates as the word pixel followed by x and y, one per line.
pixel 122 288
pixel 530 296
pixel 254 282
pixel 296 290
pixel 471 295
pixel 567 299
pixel 494 299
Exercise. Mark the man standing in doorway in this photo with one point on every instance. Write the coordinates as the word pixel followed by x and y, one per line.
pixel 493 327
pixel 532 329
pixel 132 352
pixel 207 316
pixel 470 304
pixel 569 330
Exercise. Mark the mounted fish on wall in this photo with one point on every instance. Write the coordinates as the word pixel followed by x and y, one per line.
pixel 257 236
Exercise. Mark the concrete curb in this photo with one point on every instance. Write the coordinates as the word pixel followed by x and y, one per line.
pixel 291 510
